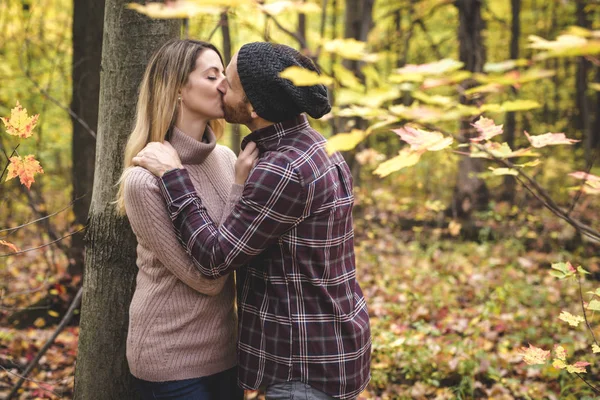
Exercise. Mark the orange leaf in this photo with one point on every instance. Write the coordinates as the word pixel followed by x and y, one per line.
pixel 534 355
pixel 25 168
pixel 19 123
pixel 548 139
pixel 12 246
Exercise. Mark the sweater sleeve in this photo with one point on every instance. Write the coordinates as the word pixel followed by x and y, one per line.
pixel 152 226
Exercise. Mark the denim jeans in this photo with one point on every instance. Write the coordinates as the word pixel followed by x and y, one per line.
pixel 295 390
pixel 214 387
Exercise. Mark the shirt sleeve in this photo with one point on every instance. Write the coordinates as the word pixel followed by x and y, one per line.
pixel 152 226
pixel 273 202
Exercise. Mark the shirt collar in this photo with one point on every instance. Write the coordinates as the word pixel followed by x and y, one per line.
pixel 269 135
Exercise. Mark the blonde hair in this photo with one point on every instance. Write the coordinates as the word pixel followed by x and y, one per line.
pixel 158 106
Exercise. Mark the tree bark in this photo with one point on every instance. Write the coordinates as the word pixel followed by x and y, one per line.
pixel 510 125
pixel 226 33
pixel 88 25
pixel 582 102
pixel 109 279
pixel 470 192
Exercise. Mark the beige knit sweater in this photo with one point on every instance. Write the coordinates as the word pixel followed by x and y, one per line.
pixel 181 324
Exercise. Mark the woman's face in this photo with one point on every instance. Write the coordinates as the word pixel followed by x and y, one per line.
pixel 199 96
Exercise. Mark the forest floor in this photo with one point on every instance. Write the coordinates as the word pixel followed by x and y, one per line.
pixel 448 316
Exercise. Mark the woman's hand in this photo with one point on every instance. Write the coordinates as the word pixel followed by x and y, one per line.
pixel 158 158
pixel 245 162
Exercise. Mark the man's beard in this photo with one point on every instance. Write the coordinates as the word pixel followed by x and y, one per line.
pixel 237 114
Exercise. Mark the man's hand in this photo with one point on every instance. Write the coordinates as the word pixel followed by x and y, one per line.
pixel 158 158
pixel 245 162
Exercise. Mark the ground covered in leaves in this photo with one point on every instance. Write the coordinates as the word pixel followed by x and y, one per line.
pixel 449 316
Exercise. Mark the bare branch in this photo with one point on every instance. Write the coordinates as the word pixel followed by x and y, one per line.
pixel 42 246
pixel 12 230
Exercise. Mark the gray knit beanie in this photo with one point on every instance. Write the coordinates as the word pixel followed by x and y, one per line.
pixel 274 98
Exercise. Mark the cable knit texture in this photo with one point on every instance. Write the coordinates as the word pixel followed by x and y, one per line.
pixel 181 324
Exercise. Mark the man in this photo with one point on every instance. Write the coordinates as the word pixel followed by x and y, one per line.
pixel 303 322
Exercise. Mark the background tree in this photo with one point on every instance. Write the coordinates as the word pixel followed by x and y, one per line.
pixel 109 279
pixel 88 24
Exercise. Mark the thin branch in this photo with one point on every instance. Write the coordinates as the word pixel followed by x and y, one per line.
pixel 294 35
pixel 59 328
pixel 594 388
pixel 434 46
pixel 583 310
pixel 12 230
pixel 40 384
pixel 42 246
pixel 8 159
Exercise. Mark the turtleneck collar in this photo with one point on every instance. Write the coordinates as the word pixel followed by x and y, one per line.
pixel 190 150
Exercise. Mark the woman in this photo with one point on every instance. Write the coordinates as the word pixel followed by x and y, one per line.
pixel 182 326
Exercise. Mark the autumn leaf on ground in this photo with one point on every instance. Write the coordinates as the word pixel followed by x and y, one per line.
pixel 487 129
pixel 25 168
pixel 421 140
pixel 10 245
pixel 534 355
pixel 19 123
pixel 548 139
pixel 573 320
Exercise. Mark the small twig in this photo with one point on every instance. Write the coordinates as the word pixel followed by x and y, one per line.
pixel 59 328
pixel 8 158
pixel 583 310
pixel 44 245
pixel 298 38
pixel 594 388
pixel 40 384
pixel 12 230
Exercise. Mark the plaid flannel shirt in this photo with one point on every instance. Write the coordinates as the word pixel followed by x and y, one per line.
pixel 302 314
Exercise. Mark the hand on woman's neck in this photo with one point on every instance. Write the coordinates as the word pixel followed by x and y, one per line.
pixel 193 128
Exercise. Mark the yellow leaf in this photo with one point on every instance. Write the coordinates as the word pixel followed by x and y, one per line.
pixel 433 68
pixel 346 78
pixel 573 320
pixel 421 140
pixel 548 139
pixel 39 322
pixel 53 313
pixel 534 355
pixel 10 245
pixel 304 77
pixel 19 123
pixel 578 367
pixel 454 228
pixel 406 158
pixel 560 352
pixel 350 49
pixel 503 171
pixel 595 348
pixel 559 364
pixel 345 141
pixel 25 168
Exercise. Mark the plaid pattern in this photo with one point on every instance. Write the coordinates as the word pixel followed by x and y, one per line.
pixel 302 315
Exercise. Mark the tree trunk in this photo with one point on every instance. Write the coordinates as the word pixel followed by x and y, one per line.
pixel 302 29
pixel 88 24
pixel 596 130
pixel 582 102
pixel 510 125
pixel 109 280
pixel 470 192
pixel 226 33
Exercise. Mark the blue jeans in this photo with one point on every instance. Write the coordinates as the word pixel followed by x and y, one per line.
pixel 214 387
pixel 295 390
